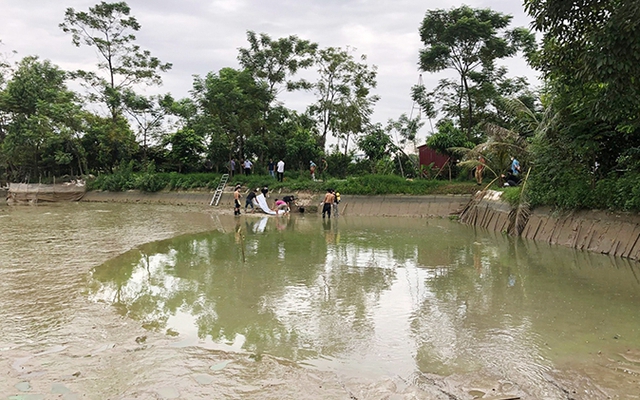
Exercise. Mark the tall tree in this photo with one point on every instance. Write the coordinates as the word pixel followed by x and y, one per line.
pixel 276 61
pixel 593 46
pixel 344 91
pixel 148 112
pixel 42 120
pixel 234 105
pixel 468 41
pixel 109 28
pixel 376 144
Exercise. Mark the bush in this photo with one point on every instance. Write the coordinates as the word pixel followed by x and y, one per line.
pixel 294 181
pixel 572 191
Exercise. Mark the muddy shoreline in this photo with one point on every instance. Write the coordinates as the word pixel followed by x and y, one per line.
pixel 617 234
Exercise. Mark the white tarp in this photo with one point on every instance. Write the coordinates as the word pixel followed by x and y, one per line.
pixel 262 203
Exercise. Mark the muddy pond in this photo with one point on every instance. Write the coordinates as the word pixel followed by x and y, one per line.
pixel 131 301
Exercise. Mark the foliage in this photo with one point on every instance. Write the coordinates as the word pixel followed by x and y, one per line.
pixel 148 112
pixel 107 142
pixel 584 153
pixel 186 149
pixel 593 45
pixel 375 143
pixel 109 29
pixel 511 195
pixel 274 61
pixel 345 102
pixel 448 138
pixel 577 192
pixel 41 122
pixel 338 164
pixel 232 105
pixel 468 41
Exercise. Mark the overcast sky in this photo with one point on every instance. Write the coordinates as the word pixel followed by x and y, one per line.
pixel 199 36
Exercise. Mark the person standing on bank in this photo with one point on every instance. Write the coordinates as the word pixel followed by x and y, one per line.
pixel 247 167
pixel 323 169
pixel 312 169
pixel 280 170
pixel 480 169
pixel 515 166
pixel 272 167
pixel 232 168
pixel 327 203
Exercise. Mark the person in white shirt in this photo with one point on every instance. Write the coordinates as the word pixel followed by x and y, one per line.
pixel 280 170
pixel 247 167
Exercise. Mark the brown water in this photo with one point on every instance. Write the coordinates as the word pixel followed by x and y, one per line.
pixel 112 301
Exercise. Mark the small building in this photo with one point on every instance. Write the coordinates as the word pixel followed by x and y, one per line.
pixel 428 156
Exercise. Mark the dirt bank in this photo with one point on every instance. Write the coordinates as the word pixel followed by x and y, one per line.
pixel 617 234
pixel 392 205
pixel 603 232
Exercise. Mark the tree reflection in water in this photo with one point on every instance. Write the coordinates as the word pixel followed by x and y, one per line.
pixel 401 295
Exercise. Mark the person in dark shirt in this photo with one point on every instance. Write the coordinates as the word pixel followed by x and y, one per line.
pixel 289 199
pixel 272 168
pixel 249 201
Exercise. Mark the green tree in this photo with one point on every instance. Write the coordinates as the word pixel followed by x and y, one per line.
pixel 148 112
pixel 107 142
pixel 42 121
pixel 468 41
pixel 233 104
pixel 589 58
pixel 109 28
pixel 276 61
pixel 187 149
pixel 593 46
pixel 344 92
pixel 375 143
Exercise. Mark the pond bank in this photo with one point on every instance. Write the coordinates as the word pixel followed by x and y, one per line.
pixel 616 234
pixel 390 205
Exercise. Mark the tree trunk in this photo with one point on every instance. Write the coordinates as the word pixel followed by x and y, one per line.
pixel 470 107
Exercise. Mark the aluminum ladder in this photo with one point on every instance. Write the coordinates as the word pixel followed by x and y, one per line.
pixel 218 193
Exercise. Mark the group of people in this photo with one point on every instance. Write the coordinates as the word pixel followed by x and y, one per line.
pixel 510 178
pixel 276 170
pixel 330 202
pixel 246 164
pixel 251 201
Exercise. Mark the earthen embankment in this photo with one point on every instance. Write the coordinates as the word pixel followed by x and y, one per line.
pixel 391 205
pixel 603 232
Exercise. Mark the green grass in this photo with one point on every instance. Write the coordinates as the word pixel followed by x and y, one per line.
pixel 360 185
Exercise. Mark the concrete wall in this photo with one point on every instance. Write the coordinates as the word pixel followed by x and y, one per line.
pixel 617 234
pixel 134 196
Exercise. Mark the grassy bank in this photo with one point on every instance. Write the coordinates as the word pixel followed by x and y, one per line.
pixel 359 185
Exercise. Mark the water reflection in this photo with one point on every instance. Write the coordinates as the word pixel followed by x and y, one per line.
pixel 389 296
